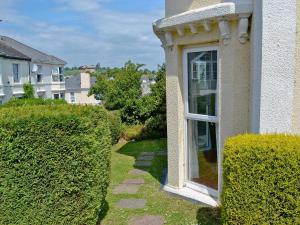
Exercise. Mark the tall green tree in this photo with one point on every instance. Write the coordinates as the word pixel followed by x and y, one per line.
pixel 117 86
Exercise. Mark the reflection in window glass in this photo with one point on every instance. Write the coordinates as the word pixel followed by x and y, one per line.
pixel 202 82
pixel 202 155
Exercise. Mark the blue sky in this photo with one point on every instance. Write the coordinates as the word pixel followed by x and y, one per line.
pixel 87 31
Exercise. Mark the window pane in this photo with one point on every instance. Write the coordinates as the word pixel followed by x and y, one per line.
pixel 16 73
pixel 202 153
pixel 202 82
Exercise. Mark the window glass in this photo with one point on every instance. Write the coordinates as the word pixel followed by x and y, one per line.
pixel 202 153
pixel 56 96
pixel 39 78
pixel 40 69
pixel 202 82
pixel 61 70
pixel 72 97
pixel 16 76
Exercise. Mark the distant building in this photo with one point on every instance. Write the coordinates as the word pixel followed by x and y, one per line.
pixel 21 64
pixel 88 68
pixel 146 84
pixel 78 87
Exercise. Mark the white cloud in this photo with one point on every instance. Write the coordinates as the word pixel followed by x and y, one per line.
pixel 115 36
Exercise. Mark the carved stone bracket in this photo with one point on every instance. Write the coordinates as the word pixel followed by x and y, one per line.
pixel 243 28
pixel 224 31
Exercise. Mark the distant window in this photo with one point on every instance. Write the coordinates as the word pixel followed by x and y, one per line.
pixel 61 70
pixel 1 101
pixel 55 70
pixel 72 97
pixel 39 74
pixel 56 96
pixel 62 95
pixel 39 78
pixel 16 73
pixel 61 78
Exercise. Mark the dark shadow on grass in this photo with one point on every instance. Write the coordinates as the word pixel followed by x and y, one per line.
pixel 209 216
pixel 103 212
pixel 159 163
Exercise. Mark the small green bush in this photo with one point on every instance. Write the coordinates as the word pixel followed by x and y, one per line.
pixel 261 180
pixel 115 125
pixel 28 91
pixel 54 164
pixel 132 132
pixel 33 101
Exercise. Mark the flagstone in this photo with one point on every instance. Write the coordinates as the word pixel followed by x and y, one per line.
pixel 138 172
pixel 145 157
pixel 147 220
pixel 143 163
pixel 132 203
pixel 134 181
pixel 126 189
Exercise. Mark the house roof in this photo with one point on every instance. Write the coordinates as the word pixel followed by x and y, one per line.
pixel 74 82
pixel 11 53
pixel 36 56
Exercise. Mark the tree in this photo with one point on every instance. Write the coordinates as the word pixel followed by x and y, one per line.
pixel 98 67
pixel 28 91
pixel 117 86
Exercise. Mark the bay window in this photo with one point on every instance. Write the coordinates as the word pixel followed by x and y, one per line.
pixel 201 116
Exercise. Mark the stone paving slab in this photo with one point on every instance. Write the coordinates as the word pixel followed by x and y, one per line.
pixel 138 172
pixel 162 153
pixel 147 154
pixel 134 181
pixel 145 157
pixel 147 220
pixel 143 163
pixel 126 189
pixel 131 203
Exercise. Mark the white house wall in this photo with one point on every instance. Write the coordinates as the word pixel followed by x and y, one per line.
pixel 47 85
pixel 11 88
pixel 273 63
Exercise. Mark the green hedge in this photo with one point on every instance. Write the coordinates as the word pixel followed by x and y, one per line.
pixel 54 164
pixel 115 125
pixel 33 101
pixel 261 180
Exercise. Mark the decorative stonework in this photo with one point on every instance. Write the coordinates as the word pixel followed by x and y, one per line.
pixel 221 13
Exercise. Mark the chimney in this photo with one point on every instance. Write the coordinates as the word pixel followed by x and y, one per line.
pixel 85 79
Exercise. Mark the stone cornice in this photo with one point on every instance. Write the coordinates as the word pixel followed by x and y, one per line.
pixel 222 13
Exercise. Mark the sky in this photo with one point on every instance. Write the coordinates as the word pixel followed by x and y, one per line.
pixel 85 32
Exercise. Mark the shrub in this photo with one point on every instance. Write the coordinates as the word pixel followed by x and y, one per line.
pixel 28 91
pixel 261 180
pixel 54 163
pixel 115 125
pixel 33 101
pixel 133 132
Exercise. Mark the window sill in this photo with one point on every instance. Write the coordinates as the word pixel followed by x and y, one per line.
pixel 193 195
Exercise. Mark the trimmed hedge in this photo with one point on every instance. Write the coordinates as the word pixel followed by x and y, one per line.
pixel 33 101
pixel 54 164
pixel 261 180
pixel 115 125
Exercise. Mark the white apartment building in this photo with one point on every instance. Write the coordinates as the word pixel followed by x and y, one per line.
pixel 21 64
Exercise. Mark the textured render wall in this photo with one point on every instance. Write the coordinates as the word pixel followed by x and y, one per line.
pixel 234 66
pixel 296 112
pixel 273 65
pixel 175 117
pixel 234 97
pixel 178 6
pixel 82 98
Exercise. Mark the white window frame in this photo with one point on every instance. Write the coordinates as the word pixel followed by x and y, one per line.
pixel 39 73
pixel 72 97
pixel 198 117
pixel 59 76
pixel 19 78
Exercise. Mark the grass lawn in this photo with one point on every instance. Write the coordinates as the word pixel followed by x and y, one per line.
pixel 174 210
